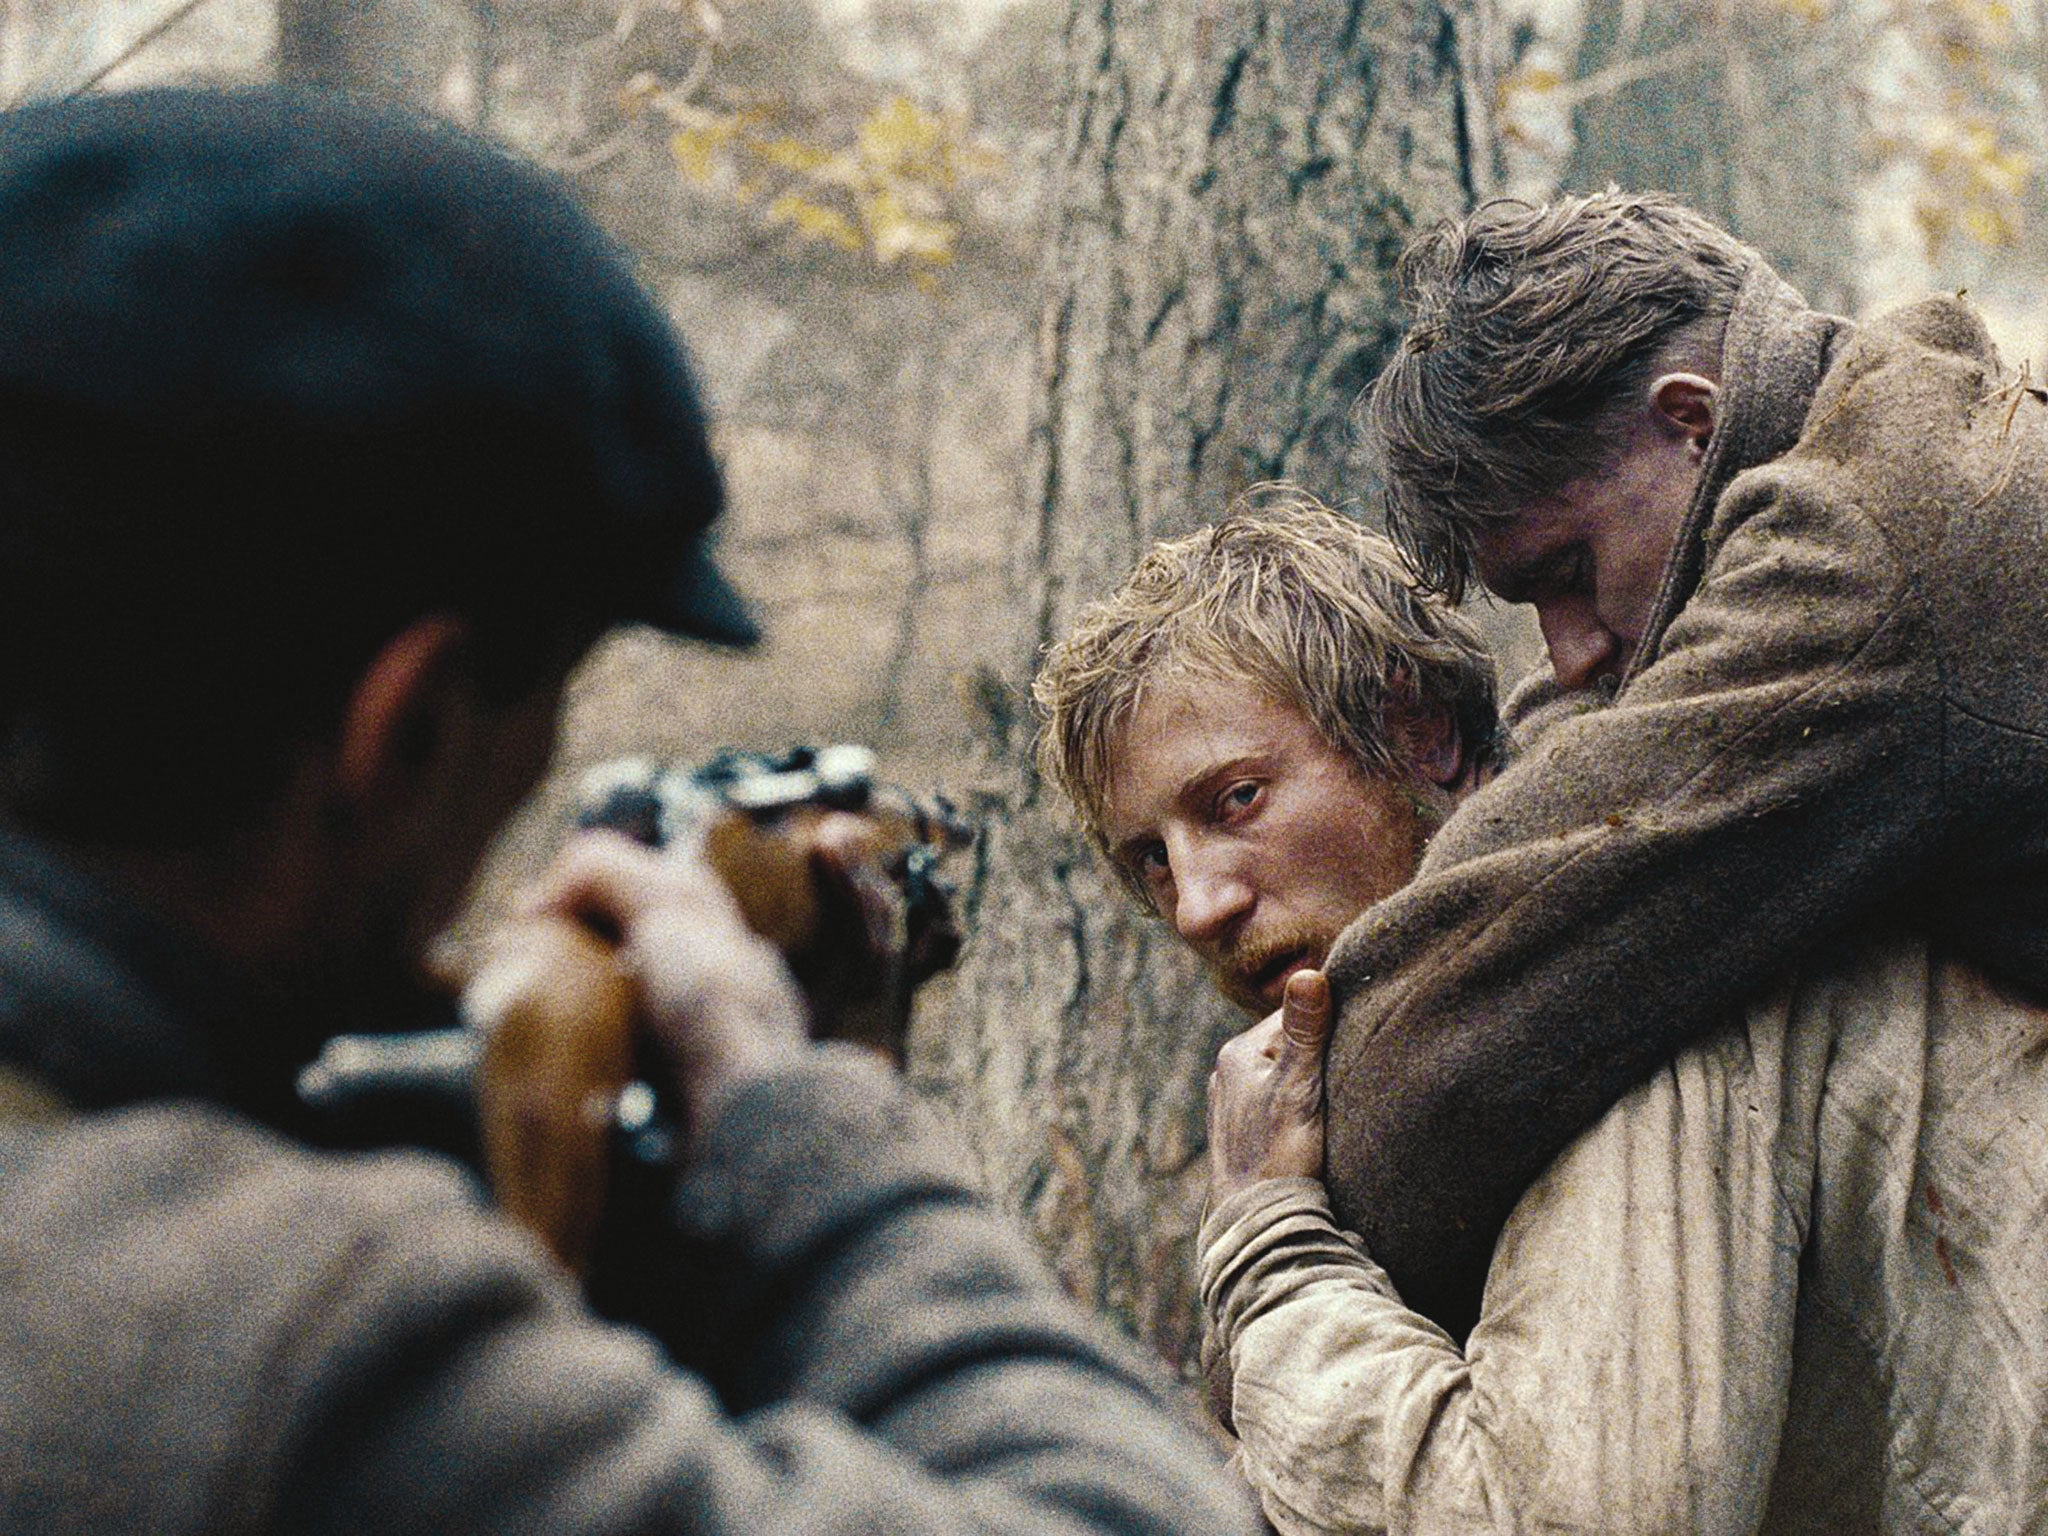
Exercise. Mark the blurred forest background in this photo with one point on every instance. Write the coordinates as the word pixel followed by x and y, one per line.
pixel 988 294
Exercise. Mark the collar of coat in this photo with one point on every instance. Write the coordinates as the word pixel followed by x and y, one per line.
pixel 101 1004
pixel 1773 356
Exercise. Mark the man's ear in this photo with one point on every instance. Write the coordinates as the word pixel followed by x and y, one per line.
pixel 401 711
pixel 1684 405
pixel 1429 737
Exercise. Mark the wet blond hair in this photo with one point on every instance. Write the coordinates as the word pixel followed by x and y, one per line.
pixel 1285 594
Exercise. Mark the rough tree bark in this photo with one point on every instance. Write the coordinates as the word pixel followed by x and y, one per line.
pixel 1236 180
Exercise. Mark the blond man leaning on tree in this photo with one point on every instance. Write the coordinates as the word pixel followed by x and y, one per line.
pixel 1792 1282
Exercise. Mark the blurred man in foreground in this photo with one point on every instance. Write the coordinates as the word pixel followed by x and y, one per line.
pixel 328 442
pixel 1790 1283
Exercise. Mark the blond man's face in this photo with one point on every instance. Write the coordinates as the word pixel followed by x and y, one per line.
pixel 1253 836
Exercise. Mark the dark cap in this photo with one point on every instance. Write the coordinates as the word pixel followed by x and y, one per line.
pixel 304 366
pixel 704 604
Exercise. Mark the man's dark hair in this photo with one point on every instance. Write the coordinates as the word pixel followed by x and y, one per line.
pixel 1529 326
pixel 278 376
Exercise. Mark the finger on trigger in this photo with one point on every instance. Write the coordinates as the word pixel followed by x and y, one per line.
pixel 591 874
pixel 849 845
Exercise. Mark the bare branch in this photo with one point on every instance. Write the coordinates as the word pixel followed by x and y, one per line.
pixel 142 40
pixel 1607 81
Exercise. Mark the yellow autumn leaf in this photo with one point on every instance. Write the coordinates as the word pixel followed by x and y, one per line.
pixel 698 152
pixel 1990 164
pixel 898 234
pixel 884 189
pixel 1992 17
pixel 791 154
pixel 899 137
pixel 1534 79
pixel 1990 225
pixel 815 221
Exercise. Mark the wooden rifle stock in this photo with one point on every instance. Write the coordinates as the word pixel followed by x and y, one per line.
pixel 557 1080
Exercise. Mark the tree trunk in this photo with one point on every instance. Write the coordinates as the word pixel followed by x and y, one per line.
pixel 1236 180
pixel 1743 112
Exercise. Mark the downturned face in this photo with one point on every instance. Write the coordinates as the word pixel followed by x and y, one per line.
pixel 1591 558
pixel 1254 837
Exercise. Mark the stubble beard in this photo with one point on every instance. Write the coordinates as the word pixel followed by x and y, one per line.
pixel 1237 968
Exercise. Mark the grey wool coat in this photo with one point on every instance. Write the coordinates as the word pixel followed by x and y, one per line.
pixel 1840 709
pixel 208 1326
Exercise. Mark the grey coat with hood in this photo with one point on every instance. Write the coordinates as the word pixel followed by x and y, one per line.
pixel 1840 708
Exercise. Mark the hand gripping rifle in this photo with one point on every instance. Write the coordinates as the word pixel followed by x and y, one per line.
pixel 540 1082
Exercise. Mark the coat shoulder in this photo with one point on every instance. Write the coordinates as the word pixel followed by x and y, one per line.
pixel 172 1277
pixel 1940 324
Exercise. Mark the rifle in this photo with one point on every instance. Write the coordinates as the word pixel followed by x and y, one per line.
pixel 539 1084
